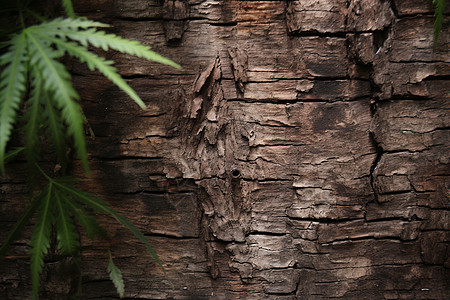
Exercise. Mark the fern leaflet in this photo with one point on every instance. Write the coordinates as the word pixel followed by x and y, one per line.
pixel 89 223
pixel 40 240
pixel 55 129
pixel 12 88
pixel 62 24
pixel 68 8
pixel 116 276
pixel 69 29
pixel 33 118
pixel 100 39
pixel 67 237
pixel 95 62
pixel 136 232
pixel 59 86
pixel 439 17
pixel 101 206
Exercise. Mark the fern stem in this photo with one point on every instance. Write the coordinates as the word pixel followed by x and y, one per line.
pixel 49 179
pixel 19 8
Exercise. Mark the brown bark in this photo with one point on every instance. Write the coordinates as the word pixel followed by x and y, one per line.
pixel 301 153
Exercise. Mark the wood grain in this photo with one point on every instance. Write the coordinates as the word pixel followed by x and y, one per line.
pixel 301 153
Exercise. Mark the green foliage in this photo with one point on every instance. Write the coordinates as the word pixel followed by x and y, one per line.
pixel 439 17
pixel 116 276
pixel 12 88
pixel 67 187
pixel 68 8
pixel 32 73
pixel 33 118
pixel 35 52
pixel 57 206
pixel 40 240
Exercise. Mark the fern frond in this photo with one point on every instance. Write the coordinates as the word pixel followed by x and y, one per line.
pixel 26 216
pixel 40 240
pixel 59 86
pixel 89 223
pixel 68 8
pixel 66 189
pixel 70 29
pixel 58 26
pixel 96 62
pixel 136 232
pixel 33 118
pixel 12 88
pixel 116 276
pixel 105 41
pixel 103 207
pixel 68 239
pixel 82 197
pixel 439 17
pixel 55 129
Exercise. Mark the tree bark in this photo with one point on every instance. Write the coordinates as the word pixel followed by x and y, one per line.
pixel 301 153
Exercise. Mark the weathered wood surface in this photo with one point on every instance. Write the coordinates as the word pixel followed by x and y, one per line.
pixel 301 153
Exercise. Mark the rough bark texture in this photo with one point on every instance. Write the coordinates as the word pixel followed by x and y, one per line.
pixel 301 153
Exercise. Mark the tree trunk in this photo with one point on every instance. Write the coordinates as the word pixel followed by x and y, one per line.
pixel 301 153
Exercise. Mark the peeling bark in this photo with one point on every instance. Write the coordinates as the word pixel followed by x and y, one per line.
pixel 301 153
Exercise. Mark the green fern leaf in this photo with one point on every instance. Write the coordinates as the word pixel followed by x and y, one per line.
pixel 40 240
pixel 59 86
pixel 103 207
pixel 58 26
pixel 68 240
pixel 116 276
pixel 69 29
pixel 136 232
pixel 20 224
pixel 33 118
pixel 95 62
pixel 65 184
pixel 68 8
pixel 55 129
pixel 89 223
pixel 439 17
pixel 105 41
pixel 12 88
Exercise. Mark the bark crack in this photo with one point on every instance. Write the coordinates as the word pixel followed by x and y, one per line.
pixel 373 167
